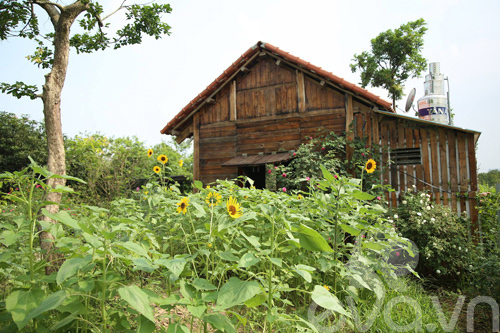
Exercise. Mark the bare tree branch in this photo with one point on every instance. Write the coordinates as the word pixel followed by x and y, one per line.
pixel 119 8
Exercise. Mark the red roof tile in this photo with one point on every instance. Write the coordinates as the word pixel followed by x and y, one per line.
pixel 234 67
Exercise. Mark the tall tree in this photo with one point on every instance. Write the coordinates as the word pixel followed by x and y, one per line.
pixel 394 57
pixel 20 18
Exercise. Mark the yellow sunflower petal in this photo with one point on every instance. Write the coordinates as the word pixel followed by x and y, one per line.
pixel 370 166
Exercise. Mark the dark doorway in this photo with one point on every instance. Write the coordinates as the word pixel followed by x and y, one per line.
pixel 257 173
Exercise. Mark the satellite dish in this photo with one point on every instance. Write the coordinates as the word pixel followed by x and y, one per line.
pixel 410 99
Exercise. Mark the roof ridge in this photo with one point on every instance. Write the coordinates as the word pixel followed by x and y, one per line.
pixel 235 66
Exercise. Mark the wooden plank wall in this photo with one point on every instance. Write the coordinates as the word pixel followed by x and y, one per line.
pixel 448 170
pixel 271 108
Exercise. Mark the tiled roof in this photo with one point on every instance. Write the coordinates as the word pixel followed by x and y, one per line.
pixel 260 46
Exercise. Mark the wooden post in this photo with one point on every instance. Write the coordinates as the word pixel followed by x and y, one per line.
pixel 349 117
pixel 233 115
pixel 196 146
pixel 301 91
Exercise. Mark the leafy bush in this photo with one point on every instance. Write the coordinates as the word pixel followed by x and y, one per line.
pixel 485 279
pixel 328 150
pixel 20 138
pixel 442 237
pixel 113 167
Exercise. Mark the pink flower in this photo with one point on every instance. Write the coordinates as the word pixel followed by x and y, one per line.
pixel 322 148
pixel 363 154
pixel 17 188
pixel 269 171
pixel 363 236
pixel 137 189
pixel 284 174
pixel 38 186
pixel 275 167
pixel 397 254
pixel 379 198
pixel 336 177
pixel 310 138
pixel 284 189
pixel 308 179
pixel 294 154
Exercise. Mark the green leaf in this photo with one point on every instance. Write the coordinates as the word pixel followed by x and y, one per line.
pixel 360 280
pixel 196 311
pixel 373 246
pixel 228 256
pixel 133 247
pixel 350 230
pixel 62 217
pixel 200 211
pixel 325 299
pixel 137 299
pixel 143 264
pixel 328 176
pixel 177 328
pixel 20 302
pixel 362 195
pixel 62 189
pixel 248 260
pixel 202 284
pixel 305 274
pixel 256 300
pixel 235 292
pixel 311 240
pixel 220 322
pixel 70 267
pixel 198 185
pixel 9 237
pixel 92 240
pixel 145 325
pixel 277 261
pixel 252 240
pixel 68 178
pixel 176 266
pixel 50 303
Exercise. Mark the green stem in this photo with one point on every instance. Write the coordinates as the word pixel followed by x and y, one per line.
pixel 335 241
pixel 270 276
pixel 103 296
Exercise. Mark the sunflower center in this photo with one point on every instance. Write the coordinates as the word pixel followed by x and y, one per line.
pixel 369 165
pixel 232 210
pixel 183 205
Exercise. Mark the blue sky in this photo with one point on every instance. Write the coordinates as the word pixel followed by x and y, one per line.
pixel 136 90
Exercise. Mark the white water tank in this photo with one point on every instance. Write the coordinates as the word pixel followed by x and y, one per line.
pixel 434 104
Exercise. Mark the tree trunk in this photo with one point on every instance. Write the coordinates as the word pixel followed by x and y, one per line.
pixel 51 96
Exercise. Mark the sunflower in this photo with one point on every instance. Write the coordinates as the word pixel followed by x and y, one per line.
pixel 213 199
pixel 183 205
pixel 156 169
pixel 162 158
pixel 181 163
pixel 150 152
pixel 234 208
pixel 370 166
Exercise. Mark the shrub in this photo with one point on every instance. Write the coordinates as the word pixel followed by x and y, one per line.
pixel 328 150
pixel 441 236
pixel 20 138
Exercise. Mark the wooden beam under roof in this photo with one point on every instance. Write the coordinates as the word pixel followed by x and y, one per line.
pixel 184 134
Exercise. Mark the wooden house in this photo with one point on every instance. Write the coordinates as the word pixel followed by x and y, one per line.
pixel 268 102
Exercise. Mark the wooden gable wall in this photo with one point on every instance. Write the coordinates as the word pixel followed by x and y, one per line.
pixel 448 170
pixel 270 108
